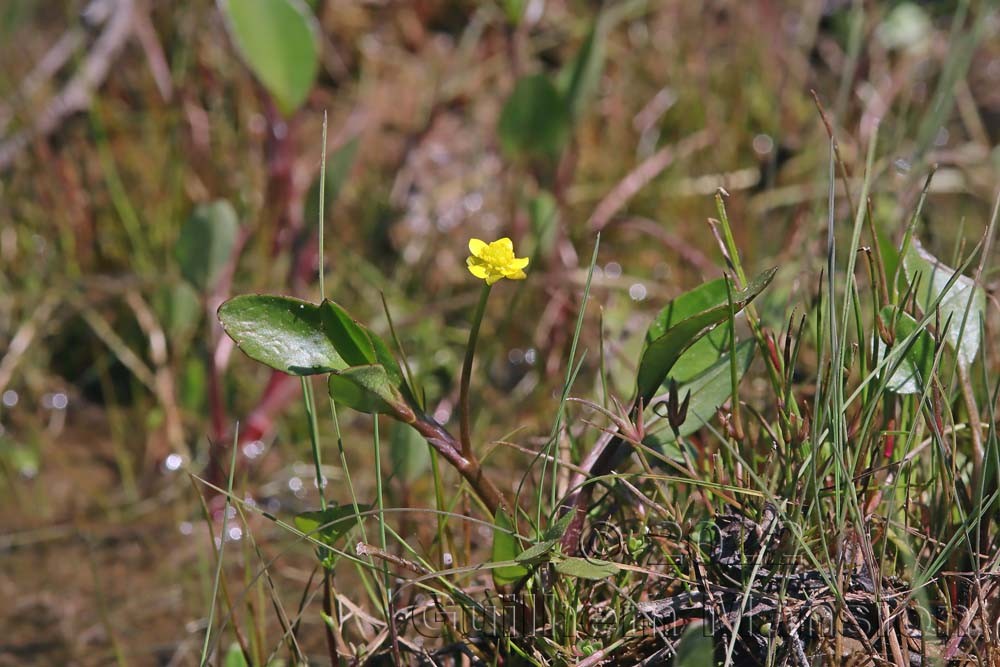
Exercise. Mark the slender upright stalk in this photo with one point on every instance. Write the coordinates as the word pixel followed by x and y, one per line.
pixel 310 405
pixel 222 546
pixel 465 436
pixel 322 222
pixel 386 577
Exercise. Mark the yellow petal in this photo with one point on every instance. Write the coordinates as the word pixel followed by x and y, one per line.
pixel 476 268
pixel 476 246
pixel 519 262
pixel 490 279
pixel 504 243
pixel 514 274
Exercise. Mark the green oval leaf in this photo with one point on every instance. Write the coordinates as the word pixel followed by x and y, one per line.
pixel 349 337
pixel 914 368
pixel 386 360
pixel 360 346
pixel 182 309
pixel 234 657
pixel 505 548
pixel 535 121
pixel 278 41
pixel 706 350
pixel 282 332
pixel 206 242
pixel 954 301
pixel 709 391
pixel 331 524
pixel 663 352
pixel 408 453
pixel 537 552
pixel 696 647
pixel 369 389
pixel 586 568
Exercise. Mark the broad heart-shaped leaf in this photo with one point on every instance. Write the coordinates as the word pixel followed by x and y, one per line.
pixel 278 41
pixel 368 389
pixel 282 332
pixel 709 390
pixel 505 548
pixel 963 295
pixel 351 339
pixel 914 369
pixel 206 243
pixel 586 568
pixel 663 352
pixel 331 524
pixel 534 121
pixel 706 350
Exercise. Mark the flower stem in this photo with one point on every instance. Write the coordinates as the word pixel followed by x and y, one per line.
pixel 470 353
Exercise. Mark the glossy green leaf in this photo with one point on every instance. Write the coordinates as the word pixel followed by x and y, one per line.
pixel 709 390
pixel 385 358
pixel 914 369
pixel 278 41
pixel 206 243
pixel 663 352
pixel 586 568
pixel 282 332
pixel 331 524
pixel 962 333
pixel 534 121
pixel 505 548
pixel 367 389
pixel 706 350
pixel 349 337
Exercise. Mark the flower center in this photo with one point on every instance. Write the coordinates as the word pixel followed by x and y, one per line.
pixel 497 256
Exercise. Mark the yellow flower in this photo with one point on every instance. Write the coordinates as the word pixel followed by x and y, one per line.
pixel 494 261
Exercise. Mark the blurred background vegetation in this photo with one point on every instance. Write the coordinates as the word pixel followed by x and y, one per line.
pixel 149 170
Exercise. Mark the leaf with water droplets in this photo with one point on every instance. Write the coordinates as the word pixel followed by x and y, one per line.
pixel 282 332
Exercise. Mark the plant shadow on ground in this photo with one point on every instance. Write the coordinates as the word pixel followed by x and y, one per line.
pixel 842 509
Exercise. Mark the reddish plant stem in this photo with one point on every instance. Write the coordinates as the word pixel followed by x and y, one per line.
pixel 467 465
